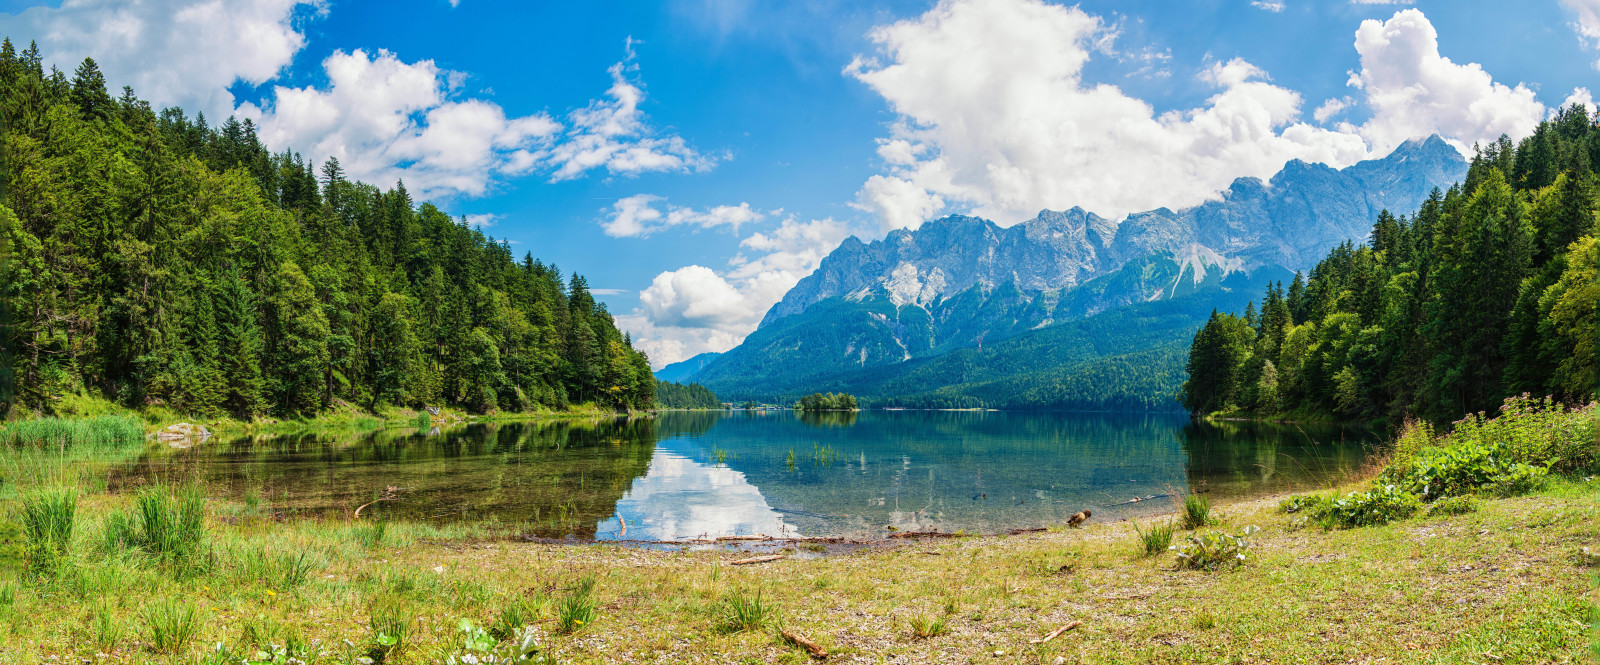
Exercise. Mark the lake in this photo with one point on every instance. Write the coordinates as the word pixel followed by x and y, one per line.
pixel 687 475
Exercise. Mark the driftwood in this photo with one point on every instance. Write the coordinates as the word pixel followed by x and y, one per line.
pixel 922 534
pixel 1141 498
pixel 1057 632
pixel 758 559
pixel 812 648
pixel 1018 532
pixel 390 493
pixel 722 538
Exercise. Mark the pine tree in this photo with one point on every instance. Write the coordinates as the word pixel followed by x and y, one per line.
pixel 89 92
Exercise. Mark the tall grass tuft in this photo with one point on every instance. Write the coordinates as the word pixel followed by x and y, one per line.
pixel 107 631
pixel 49 518
pixel 924 627
pixel 170 625
pixel 390 625
pixel 1157 539
pixel 515 616
pixel 1197 512
pixel 99 431
pixel 742 611
pixel 576 610
pixel 169 526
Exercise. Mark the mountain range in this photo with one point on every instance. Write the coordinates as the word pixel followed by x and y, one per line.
pixel 931 316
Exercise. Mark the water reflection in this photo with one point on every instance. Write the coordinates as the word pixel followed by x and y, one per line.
pixel 712 473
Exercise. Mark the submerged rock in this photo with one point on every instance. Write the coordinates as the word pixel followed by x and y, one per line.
pixel 183 432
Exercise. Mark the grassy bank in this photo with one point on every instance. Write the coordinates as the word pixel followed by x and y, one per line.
pixel 166 574
pixel 341 416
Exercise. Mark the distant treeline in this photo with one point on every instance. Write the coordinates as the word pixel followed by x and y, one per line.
pixel 685 396
pixel 1488 291
pixel 151 258
pixel 826 402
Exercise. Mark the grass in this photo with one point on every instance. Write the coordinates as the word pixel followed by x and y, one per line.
pixel 1507 578
pixel 1196 512
pixel 49 521
pixel 73 432
pixel 577 609
pixel 743 611
pixel 1157 539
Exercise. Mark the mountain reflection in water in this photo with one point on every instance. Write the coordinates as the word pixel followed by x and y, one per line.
pixel 694 474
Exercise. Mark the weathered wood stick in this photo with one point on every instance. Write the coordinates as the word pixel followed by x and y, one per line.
pixel 364 505
pixel 758 559
pixel 1057 632
pixel 812 648
pixel 721 538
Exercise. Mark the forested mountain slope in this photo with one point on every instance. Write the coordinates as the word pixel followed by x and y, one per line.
pixel 154 259
pixel 1488 290
pixel 964 283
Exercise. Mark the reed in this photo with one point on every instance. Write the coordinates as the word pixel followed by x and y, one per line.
pixel 49 519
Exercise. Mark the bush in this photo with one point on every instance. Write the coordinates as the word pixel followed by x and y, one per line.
pixel 478 646
pixel 49 518
pixel 1381 505
pixel 1157 539
pixel 1518 479
pixel 1215 550
pixel 1197 512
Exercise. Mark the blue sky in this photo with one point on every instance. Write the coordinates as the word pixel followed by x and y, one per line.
pixel 695 158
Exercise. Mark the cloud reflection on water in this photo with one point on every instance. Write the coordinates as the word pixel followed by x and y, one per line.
pixel 680 498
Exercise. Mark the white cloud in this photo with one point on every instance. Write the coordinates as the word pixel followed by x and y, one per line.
pixel 612 134
pixel 1414 91
pixel 695 309
pixel 1270 5
pixel 994 110
pixel 481 221
pixel 386 120
pixel 637 216
pixel 1588 24
pixel 183 53
pixel 995 118
pixel 608 292
pixel 1578 96
pixel 1381 2
pixel 1332 108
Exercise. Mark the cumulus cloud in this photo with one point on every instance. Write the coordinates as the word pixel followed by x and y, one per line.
pixel 386 119
pixel 695 309
pixel 1587 24
pixel 183 53
pixel 639 215
pixel 1273 6
pixel 1414 91
pixel 994 117
pixel 991 97
pixel 481 221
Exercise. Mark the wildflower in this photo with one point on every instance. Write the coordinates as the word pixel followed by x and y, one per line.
pixel 270 592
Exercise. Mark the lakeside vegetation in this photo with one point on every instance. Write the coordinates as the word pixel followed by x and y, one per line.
pixel 1489 290
pixel 172 573
pixel 826 402
pixel 673 395
pixel 156 261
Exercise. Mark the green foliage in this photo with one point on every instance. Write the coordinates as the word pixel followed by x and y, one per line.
pixel 685 396
pixel 576 610
pixel 924 627
pixel 389 623
pixel 1381 505
pixel 147 257
pixel 1157 539
pixel 743 611
pixel 1486 291
pixel 49 520
pixel 65 433
pixel 106 630
pixel 1197 512
pixel 513 617
pixel 1215 550
pixel 166 525
pixel 170 626
pixel 478 646
pixel 828 402
pixel 1455 505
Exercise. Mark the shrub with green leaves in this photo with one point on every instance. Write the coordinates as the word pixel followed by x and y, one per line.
pixel 1380 505
pixel 1215 550
pixel 478 646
